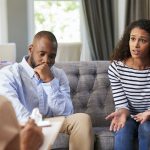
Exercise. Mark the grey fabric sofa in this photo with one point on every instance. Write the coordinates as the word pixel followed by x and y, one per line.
pixel 91 94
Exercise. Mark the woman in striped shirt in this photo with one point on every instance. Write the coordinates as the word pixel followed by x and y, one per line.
pixel 129 74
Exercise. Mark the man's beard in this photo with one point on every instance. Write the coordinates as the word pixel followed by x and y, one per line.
pixel 32 62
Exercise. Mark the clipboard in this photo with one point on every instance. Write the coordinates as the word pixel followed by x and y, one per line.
pixel 51 132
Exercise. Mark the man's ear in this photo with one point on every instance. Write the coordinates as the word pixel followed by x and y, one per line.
pixel 30 47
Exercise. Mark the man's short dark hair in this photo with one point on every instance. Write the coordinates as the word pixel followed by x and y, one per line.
pixel 48 35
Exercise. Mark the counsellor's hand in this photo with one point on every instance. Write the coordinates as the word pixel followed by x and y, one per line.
pixel 118 119
pixel 142 117
pixel 31 136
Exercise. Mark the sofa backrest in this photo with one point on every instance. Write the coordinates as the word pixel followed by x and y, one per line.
pixel 5 63
pixel 90 89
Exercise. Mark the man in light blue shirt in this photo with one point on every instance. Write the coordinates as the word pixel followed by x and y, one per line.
pixel 36 83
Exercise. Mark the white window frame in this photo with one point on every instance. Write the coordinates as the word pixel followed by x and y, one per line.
pixel 31 24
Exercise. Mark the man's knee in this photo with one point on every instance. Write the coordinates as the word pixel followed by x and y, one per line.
pixel 82 120
pixel 83 117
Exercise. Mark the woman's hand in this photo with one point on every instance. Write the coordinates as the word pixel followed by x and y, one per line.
pixel 118 119
pixel 142 117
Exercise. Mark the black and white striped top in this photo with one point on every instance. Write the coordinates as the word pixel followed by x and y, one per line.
pixel 130 87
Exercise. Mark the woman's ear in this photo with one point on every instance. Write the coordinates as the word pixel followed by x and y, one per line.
pixel 30 47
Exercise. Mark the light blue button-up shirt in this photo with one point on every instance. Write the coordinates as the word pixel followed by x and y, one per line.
pixel 19 83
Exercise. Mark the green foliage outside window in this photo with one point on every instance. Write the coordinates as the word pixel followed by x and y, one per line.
pixel 60 17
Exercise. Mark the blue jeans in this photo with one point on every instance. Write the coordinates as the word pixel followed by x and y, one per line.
pixel 125 137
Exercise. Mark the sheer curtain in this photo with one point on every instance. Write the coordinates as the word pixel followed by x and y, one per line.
pixel 86 47
pixel 3 22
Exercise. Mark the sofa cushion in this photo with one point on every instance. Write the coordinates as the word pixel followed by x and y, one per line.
pixel 5 63
pixel 104 139
pixel 90 89
pixel 62 142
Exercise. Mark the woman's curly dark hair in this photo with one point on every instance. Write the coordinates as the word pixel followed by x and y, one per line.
pixel 122 50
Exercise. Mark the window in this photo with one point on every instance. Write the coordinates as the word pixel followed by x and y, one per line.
pixel 62 17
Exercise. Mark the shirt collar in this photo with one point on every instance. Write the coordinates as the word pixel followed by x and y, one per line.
pixel 27 67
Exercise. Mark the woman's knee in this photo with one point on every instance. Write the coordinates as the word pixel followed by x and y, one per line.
pixel 128 130
pixel 144 127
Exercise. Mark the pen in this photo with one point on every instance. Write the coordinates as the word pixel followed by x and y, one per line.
pixel 44 126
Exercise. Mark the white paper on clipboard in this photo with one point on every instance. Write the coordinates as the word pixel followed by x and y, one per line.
pixel 51 132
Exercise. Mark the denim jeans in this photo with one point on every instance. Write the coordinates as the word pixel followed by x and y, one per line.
pixel 125 137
